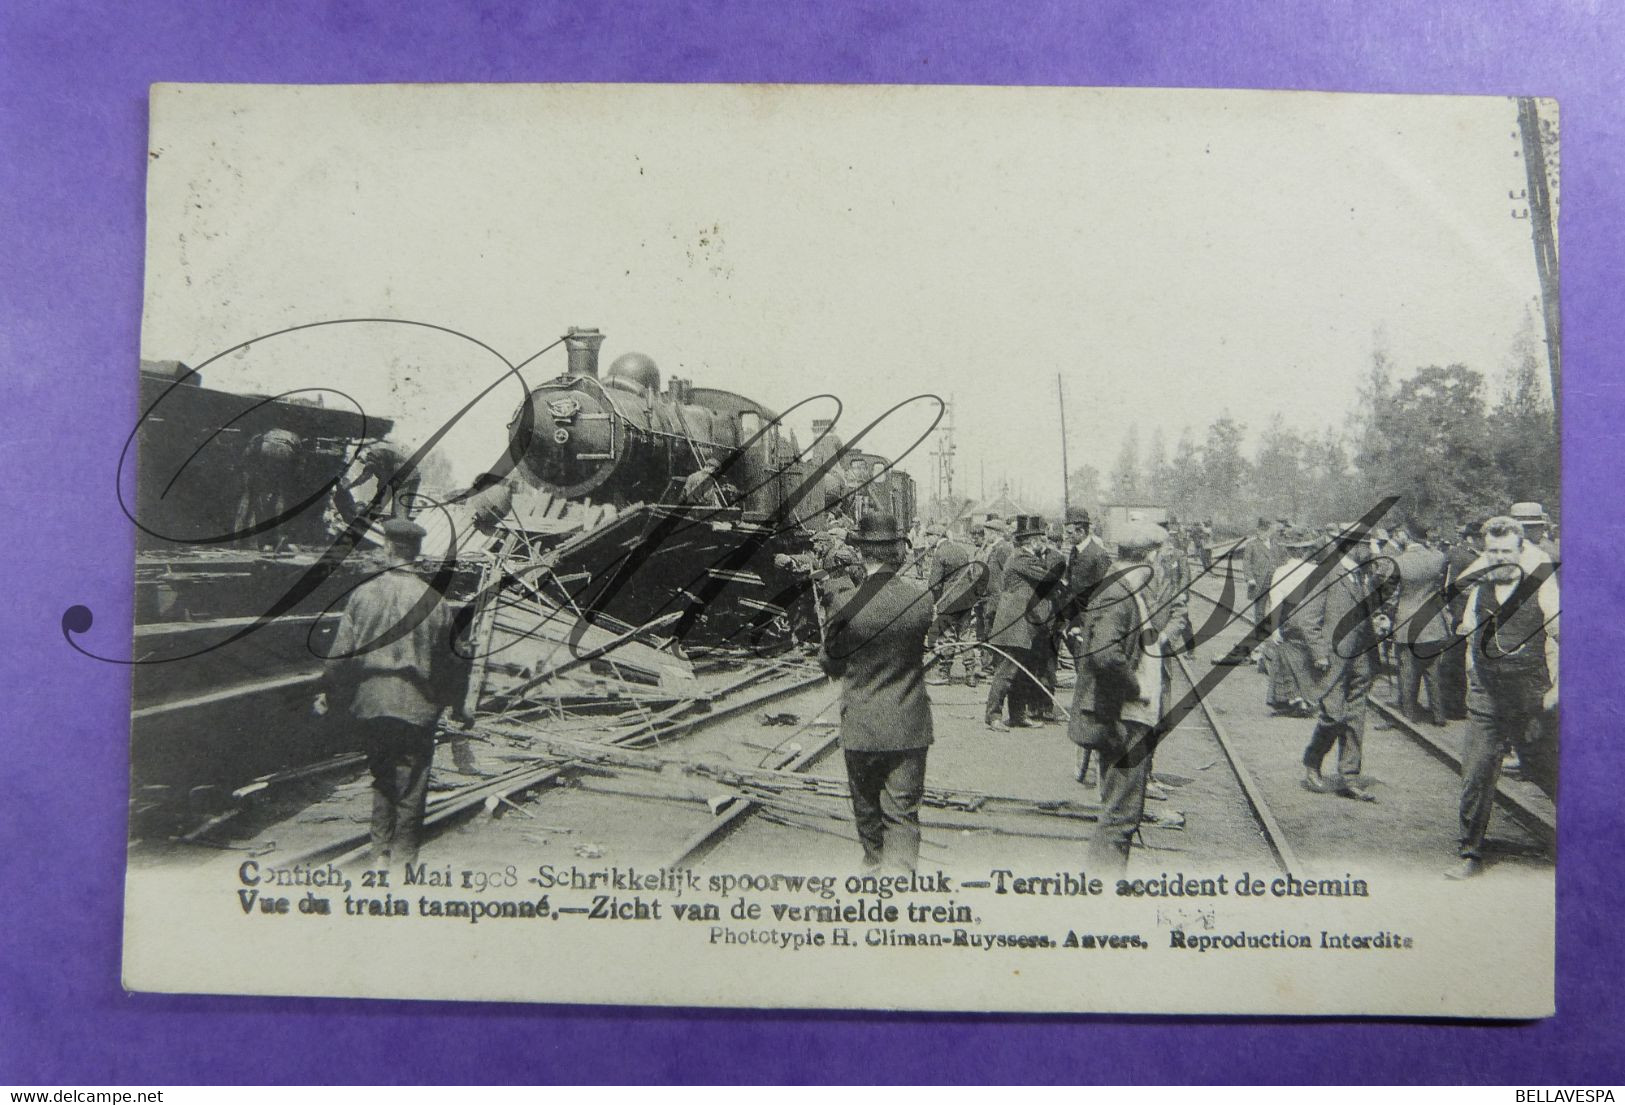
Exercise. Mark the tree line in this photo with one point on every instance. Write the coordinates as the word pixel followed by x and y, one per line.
pixel 1453 444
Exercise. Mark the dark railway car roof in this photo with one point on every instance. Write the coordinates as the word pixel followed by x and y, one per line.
pixel 204 405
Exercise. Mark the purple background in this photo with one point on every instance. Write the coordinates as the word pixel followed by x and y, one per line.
pixel 73 85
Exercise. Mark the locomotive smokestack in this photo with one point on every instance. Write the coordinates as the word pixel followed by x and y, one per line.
pixel 582 342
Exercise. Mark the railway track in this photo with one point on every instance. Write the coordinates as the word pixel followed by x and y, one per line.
pixel 756 688
pixel 1531 812
pixel 1269 826
pixel 609 789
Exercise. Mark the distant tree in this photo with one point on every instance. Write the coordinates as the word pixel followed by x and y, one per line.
pixel 1225 470
pixel 1278 475
pixel 1187 483
pixel 1127 483
pixel 1157 489
pixel 1523 433
pixel 1375 395
pixel 1334 493
pixel 1083 487
pixel 1438 456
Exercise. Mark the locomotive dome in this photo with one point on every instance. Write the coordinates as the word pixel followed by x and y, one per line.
pixel 638 368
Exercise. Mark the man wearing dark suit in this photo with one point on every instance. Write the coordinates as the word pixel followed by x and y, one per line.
pixel 1453 661
pixel 955 582
pixel 876 646
pixel 1131 625
pixel 1087 564
pixel 1259 562
pixel 998 554
pixel 1026 609
pixel 1421 626
pixel 1344 620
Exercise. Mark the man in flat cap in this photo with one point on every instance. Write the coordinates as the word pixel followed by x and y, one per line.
pixel 392 669
pixel 955 581
pixel 701 488
pixel 395 481
pixel 1131 626
pixel 842 566
pixel 1345 620
pixel 1292 679
pixel 875 646
pixel 1262 557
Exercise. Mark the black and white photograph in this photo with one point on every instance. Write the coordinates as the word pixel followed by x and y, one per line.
pixel 952 548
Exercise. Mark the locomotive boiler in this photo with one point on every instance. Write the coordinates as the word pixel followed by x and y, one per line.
pixel 627 441
pixel 620 438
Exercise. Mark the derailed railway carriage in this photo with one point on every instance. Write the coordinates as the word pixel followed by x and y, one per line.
pixel 577 605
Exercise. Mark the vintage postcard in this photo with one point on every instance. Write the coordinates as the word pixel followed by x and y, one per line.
pixel 1048 550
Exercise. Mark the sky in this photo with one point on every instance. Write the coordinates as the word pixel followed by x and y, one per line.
pixel 1171 255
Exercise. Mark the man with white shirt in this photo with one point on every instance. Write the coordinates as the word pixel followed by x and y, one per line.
pixel 1510 623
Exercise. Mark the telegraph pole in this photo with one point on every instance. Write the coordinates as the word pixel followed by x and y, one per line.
pixel 1066 490
pixel 1544 234
pixel 943 453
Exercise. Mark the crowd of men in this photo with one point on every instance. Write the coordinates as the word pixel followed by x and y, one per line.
pixel 1466 624
pixel 1001 605
pixel 1468 627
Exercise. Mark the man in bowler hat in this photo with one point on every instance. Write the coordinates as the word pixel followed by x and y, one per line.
pixel 875 645
pixel 1022 621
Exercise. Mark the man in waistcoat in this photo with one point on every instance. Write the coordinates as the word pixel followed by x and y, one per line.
pixel 1510 624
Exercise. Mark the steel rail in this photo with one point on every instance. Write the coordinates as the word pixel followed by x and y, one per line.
pixel 353 847
pixel 1531 816
pixel 1274 835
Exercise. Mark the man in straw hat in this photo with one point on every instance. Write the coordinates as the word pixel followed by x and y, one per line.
pixel 1131 626
pixel 392 665
pixel 875 645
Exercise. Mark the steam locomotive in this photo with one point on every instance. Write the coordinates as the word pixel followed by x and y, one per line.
pixel 620 439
